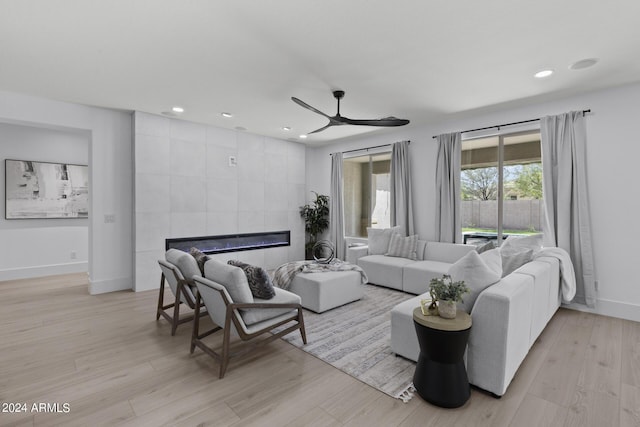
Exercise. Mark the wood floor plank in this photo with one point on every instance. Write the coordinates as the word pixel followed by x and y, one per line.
pixel 629 406
pixel 593 409
pixel 539 412
pixel 383 411
pixel 556 381
pixel 317 417
pixel 631 353
pixel 603 358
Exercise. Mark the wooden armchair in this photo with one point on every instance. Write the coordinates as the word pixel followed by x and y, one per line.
pixel 183 291
pixel 264 316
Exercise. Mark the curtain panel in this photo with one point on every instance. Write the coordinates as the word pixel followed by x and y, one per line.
pixel 568 223
pixel 401 198
pixel 448 216
pixel 336 208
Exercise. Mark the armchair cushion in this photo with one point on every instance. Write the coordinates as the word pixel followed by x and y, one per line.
pixel 232 278
pixel 251 316
pixel 258 279
pixel 185 263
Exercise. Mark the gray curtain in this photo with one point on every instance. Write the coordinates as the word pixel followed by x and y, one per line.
pixel 568 226
pixel 336 209
pixel 448 219
pixel 401 199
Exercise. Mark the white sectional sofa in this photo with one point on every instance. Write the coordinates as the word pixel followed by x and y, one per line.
pixel 507 317
pixel 412 276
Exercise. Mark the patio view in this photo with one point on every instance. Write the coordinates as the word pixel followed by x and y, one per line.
pixel 501 186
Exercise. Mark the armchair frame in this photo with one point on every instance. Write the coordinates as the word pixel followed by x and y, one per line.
pixel 233 318
pixel 180 297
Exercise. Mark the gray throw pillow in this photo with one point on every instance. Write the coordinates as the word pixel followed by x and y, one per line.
pixel 478 272
pixel 403 247
pixel 258 279
pixel 200 257
pixel 378 239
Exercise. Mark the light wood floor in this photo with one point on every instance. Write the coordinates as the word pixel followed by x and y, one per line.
pixel 109 359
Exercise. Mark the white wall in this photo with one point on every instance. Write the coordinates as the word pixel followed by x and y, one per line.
pixel 110 182
pixel 48 243
pixel 184 187
pixel 612 154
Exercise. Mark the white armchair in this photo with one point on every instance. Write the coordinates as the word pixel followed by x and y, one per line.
pixel 241 316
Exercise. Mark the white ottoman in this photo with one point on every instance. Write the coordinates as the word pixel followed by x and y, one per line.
pixel 404 340
pixel 326 290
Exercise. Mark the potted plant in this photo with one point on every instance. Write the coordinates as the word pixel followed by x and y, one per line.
pixel 448 293
pixel 316 220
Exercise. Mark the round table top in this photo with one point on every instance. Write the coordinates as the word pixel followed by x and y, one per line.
pixel 461 322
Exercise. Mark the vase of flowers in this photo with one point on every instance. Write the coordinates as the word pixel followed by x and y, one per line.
pixel 447 293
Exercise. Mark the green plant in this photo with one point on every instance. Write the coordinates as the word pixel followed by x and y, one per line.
pixel 316 218
pixel 445 289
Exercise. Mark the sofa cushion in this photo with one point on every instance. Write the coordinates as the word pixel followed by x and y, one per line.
pixel 541 272
pixel 232 278
pixel 416 276
pixel 403 247
pixel 258 279
pixel 477 272
pixel 254 315
pixel 446 252
pixel 384 270
pixel 378 239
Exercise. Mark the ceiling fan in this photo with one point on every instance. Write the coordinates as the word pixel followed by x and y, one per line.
pixel 339 120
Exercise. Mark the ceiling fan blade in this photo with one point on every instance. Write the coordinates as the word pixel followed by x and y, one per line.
pixel 386 122
pixel 308 107
pixel 322 128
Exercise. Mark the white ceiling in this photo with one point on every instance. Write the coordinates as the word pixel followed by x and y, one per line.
pixel 421 60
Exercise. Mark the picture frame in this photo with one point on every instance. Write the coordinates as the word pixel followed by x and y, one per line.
pixel 45 190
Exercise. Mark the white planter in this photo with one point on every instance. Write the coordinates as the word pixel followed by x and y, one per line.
pixel 447 309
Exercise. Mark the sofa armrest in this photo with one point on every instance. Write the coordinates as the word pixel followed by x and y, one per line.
pixel 354 253
pixel 499 337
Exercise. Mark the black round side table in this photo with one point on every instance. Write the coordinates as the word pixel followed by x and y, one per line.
pixel 440 377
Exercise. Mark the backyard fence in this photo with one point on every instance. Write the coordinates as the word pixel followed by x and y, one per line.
pixel 517 214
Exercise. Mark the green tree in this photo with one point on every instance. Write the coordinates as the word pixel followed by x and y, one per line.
pixel 479 184
pixel 528 182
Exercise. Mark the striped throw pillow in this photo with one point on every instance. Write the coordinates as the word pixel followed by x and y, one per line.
pixel 403 247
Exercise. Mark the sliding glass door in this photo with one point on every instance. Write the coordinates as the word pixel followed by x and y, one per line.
pixel 366 193
pixel 501 187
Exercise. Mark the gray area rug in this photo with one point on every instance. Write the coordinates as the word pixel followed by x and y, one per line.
pixel 356 338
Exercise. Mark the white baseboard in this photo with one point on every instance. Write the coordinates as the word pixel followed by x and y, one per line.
pixel 611 308
pixel 110 285
pixel 43 270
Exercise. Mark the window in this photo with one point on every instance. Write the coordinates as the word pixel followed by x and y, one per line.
pixel 501 186
pixel 366 193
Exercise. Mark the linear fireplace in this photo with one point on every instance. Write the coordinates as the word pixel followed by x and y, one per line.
pixel 231 242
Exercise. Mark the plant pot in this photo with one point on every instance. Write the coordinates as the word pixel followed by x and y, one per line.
pixel 447 309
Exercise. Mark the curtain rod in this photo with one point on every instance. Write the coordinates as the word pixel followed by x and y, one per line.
pixel 509 124
pixel 369 148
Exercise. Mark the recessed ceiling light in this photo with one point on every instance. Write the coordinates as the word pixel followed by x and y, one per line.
pixel 303 136
pixel 583 63
pixel 177 109
pixel 227 115
pixel 542 74
pixel 286 128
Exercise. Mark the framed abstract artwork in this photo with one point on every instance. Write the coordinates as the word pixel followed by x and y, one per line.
pixel 45 190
